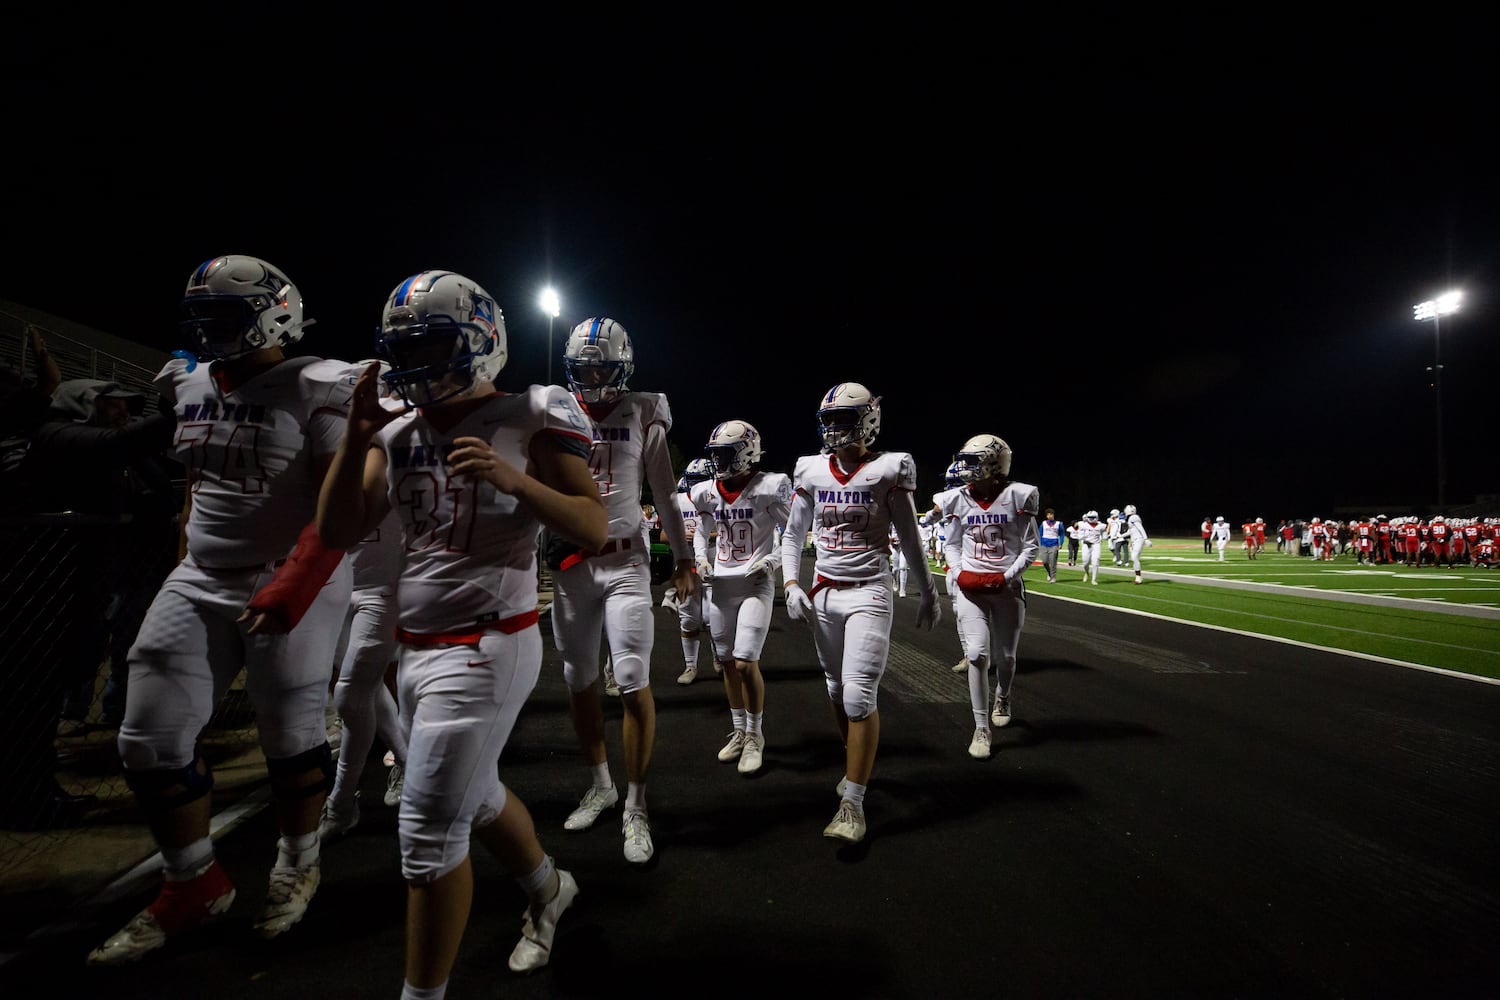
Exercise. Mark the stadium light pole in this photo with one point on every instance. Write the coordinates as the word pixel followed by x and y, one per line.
pixel 552 306
pixel 1435 309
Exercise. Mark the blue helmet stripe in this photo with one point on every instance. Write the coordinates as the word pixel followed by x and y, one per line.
pixel 202 271
pixel 594 329
pixel 405 288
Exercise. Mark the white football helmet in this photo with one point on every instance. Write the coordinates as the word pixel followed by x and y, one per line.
pixel 598 360
pixel 848 415
pixel 983 456
pixel 950 478
pixel 733 449
pixel 234 305
pixel 1092 515
pixel 1218 520
pixel 1317 520
pixel 1129 509
pixel 443 336
pixel 697 471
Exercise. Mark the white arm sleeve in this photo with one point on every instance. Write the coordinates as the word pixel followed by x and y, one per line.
pixel 659 474
pixel 1030 543
pixel 798 520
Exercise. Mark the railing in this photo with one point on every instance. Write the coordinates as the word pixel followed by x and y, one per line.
pixel 75 358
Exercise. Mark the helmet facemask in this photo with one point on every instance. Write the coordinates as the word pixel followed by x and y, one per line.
pixel 430 362
pixel 595 378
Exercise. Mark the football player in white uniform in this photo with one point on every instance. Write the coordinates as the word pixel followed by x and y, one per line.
pixel 944 531
pixel 608 590
pixel 749 507
pixel 367 646
pixel 472 474
pixel 1091 533
pixel 994 520
pixel 1116 536
pixel 365 705
pixel 850 496
pixel 1135 536
pixel 690 617
pixel 255 589
pixel 1221 535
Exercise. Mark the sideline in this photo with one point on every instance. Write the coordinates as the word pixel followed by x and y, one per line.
pixel 1406 603
pixel 1033 591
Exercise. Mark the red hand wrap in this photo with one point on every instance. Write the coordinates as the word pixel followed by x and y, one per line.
pixel 297 581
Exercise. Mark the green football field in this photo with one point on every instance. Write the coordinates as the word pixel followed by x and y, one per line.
pixel 1391 612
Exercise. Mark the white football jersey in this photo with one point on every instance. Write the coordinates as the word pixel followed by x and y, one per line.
pixel 471 550
pixel 1089 534
pixel 692 519
pixel 851 514
pixel 377 559
pixel 747 523
pixel 617 457
pixel 1135 529
pixel 996 536
pixel 250 453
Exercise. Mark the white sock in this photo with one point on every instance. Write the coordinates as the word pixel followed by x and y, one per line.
pixel 540 885
pixel 635 797
pixel 752 723
pixel 410 992
pixel 602 780
pixel 738 715
pixel 690 651
pixel 297 851
pixel 182 863
pixel 855 794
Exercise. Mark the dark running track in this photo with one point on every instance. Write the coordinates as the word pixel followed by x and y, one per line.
pixel 1175 812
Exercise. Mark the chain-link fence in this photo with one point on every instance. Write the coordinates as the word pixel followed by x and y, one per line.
pixel 73 591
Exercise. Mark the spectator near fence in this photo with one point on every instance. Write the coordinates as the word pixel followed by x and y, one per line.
pixel 63 526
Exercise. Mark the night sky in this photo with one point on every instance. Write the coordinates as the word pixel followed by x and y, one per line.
pixel 1174 270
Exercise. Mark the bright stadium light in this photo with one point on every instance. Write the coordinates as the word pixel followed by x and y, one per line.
pixel 552 306
pixel 1435 309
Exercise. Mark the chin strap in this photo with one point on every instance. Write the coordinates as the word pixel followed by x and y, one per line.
pixel 296 583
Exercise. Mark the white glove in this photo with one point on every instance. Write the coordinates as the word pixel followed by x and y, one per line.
pixel 764 565
pixel 1149 543
pixel 705 569
pixel 929 612
pixel 669 600
pixel 798 606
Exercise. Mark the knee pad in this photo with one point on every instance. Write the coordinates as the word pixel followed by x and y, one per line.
pixel 859 698
pixel 977 660
pixel 281 769
pixel 630 672
pixel 488 812
pixel 160 786
pixel 578 677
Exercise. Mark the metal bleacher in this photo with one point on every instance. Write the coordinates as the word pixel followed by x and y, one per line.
pixel 80 352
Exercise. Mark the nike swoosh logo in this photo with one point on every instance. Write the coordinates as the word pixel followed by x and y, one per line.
pixel 477 663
